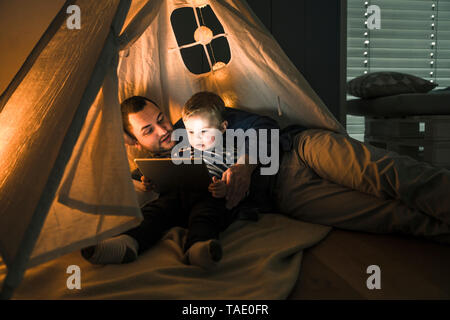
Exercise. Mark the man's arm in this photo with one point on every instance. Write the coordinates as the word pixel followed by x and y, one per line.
pixel 238 177
pixel 238 119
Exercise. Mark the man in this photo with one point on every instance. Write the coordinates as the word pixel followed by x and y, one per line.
pixel 325 178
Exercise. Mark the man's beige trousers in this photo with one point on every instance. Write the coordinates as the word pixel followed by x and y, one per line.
pixel 332 179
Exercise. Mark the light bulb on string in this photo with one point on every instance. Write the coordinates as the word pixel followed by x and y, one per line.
pixel 220 72
pixel 200 3
pixel 203 35
pixel 218 65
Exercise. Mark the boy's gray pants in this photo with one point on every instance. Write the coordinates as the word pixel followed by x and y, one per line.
pixel 331 179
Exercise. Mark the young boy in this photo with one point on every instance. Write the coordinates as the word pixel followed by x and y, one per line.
pixel 203 119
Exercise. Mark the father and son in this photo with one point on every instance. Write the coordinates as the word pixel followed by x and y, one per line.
pixel 323 177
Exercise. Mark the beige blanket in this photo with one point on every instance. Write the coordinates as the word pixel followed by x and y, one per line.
pixel 261 261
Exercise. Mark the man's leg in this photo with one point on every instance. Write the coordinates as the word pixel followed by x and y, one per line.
pixel 159 216
pixel 387 175
pixel 303 195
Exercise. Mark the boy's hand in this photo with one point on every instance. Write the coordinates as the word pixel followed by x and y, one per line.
pixel 145 185
pixel 218 188
pixel 238 178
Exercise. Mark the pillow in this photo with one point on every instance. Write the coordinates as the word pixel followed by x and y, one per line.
pixel 380 84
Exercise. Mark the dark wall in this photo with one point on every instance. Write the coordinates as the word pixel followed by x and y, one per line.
pixel 312 33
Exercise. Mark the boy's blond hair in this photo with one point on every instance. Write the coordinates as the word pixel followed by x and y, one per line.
pixel 204 102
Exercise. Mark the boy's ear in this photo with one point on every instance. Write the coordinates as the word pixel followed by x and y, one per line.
pixel 224 126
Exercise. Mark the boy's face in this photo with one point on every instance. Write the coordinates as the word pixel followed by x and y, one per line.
pixel 203 129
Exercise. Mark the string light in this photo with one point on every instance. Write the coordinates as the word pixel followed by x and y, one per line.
pixel 218 65
pixel 366 41
pixel 220 72
pixel 203 35
pixel 200 3
pixel 433 36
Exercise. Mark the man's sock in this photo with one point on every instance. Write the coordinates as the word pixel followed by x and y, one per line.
pixel 117 250
pixel 205 254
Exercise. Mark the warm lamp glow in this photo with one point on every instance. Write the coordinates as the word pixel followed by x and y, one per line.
pixel 203 35
pixel 230 99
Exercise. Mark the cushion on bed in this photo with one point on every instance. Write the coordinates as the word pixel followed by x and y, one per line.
pixel 381 84
pixel 433 103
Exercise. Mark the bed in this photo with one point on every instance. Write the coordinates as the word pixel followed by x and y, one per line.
pixel 413 124
pixel 435 102
pixel 274 258
pixel 411 268
pixel 261 261
pixel 297 261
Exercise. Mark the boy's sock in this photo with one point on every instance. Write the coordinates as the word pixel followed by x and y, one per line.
pixel 117 250
pixel 205 254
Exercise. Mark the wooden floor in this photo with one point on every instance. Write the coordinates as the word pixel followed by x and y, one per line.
pixel 411 268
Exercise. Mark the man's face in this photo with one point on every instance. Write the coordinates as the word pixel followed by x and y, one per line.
pixel 152 129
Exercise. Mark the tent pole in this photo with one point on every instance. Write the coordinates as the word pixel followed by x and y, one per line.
pixel 7 291
pixel 108 59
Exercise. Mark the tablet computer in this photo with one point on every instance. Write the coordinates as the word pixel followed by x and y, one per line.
pixel 166 175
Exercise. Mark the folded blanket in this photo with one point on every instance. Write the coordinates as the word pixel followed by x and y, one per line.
pixel 261 260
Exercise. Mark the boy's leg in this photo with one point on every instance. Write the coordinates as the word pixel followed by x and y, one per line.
pixel 304 195
pixel 387 175
pixel 207 219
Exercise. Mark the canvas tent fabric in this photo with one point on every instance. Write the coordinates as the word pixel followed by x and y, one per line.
pixel 259 76
pixel 64 178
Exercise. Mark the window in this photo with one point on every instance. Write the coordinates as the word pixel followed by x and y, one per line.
pixel 414 38
pixel 201 39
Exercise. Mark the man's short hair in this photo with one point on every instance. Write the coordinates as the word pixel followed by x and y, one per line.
pixel 204 102
pixel 130 106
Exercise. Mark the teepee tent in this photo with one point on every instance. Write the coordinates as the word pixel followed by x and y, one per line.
pixel 64 175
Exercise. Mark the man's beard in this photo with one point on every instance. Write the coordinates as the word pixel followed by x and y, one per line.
pixel 164 152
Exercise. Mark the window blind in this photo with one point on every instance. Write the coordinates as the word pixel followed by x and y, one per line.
pixel 414 38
